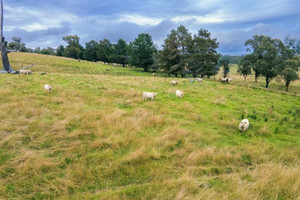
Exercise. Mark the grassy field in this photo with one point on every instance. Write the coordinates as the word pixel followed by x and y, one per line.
pixel 93 136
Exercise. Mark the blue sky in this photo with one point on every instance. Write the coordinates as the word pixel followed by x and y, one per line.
pixel 43 23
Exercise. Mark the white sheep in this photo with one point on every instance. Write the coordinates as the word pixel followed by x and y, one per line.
pixel 24 71
pixel 199 79
pixel 153 74
pixel 149 95
pixel 244 125
pixel 179 94
pixel 223 80
pixel 48 87
pixel 174 82
pixel 229 80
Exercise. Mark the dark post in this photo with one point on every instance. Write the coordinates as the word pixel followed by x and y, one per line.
pixel 3 47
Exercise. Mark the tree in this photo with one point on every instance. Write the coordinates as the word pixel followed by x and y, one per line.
pixel 244 66
pixel 289 75
pixel 60 50
pixel 73 49
pixel 120 52
pixel 48 51
pixel 224 61
pixel 90 51
pixel 17 45
pixel 104 50
pixel 292 44
pixel 185 43
pixel 169 57
pixel 203 56
pixel 266 55
pixel 142 50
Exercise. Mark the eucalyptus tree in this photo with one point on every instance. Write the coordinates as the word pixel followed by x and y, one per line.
pixel 267 56
pixel 224 62
pixel 244 66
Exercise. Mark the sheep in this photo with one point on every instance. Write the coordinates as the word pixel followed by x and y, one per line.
pixel 153 74
pixel 48 87
pixel 149 95
pixel 199 79
pixel 179 94
pixel 174 82
pixel 244 125
pixel 225 80
pixel 24 71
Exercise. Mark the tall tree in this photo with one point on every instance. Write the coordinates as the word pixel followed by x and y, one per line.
pixel 185 42
pixel 169 57
pixel 244 67
pixel 104 50
pixel 142 50
pixel 60 50
pixel 267 55
pixel 90 51
pixel 120 52
pixel 73 49
pixel 203 56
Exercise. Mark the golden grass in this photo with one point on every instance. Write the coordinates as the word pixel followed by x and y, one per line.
pixel 94 137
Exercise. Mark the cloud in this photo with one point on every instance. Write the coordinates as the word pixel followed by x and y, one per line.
pixel 43 23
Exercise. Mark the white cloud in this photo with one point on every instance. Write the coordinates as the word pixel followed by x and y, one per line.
pixel 140 20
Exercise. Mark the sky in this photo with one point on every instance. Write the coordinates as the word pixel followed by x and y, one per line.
pixel 43 23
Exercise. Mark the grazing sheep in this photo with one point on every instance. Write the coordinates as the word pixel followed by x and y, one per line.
pixel 244 125
pixel 48 87
pixel 179 94
pixel 223 80
pixel 199 79
pixel 153 74
pixel 149 95
pixel 25 71
pixel 174 82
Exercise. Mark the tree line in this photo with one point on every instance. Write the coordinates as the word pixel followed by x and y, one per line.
pixel 183 54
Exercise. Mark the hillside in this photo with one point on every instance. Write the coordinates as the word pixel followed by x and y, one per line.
pixel 93 136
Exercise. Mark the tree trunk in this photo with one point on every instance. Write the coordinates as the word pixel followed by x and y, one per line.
pixel 267 83
pixel 5 61
pixel 287 85
pixel 245 78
